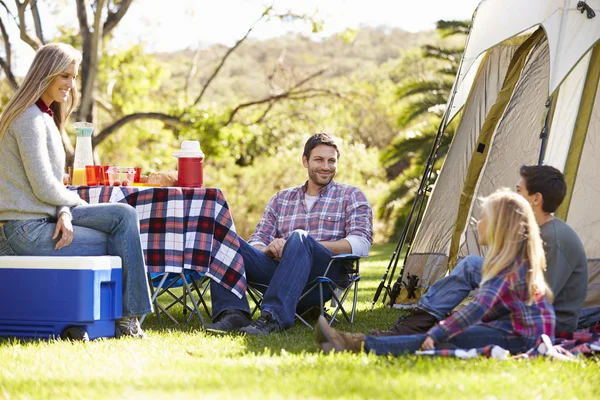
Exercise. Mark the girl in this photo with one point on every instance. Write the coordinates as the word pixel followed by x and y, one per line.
pixel 512 308
pixel 38 215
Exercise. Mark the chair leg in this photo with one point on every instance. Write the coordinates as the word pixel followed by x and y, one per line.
pixel 354 301
pixel 154 296
pixel 189 292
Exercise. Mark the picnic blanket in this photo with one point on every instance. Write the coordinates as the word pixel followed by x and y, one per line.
pixel 566 347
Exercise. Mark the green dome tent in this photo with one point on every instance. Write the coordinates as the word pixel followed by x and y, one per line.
pixel 526 93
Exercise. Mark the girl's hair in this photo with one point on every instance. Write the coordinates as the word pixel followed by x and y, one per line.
pixel 512 234
pixel 50 61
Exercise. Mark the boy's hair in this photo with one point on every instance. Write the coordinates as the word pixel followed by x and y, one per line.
pixel 317 139
pixel 513 237
pixel 547 181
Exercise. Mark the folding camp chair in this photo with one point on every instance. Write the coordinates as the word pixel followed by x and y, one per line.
pixel 191 281
pixel 347 262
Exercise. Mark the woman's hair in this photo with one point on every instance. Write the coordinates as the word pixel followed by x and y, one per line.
pixel 512 233
pixel 50 61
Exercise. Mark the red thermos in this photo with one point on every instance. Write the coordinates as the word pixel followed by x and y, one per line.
pixel 190 166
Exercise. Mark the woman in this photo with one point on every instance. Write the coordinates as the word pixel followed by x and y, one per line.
pixel 512 308
pixel 38 215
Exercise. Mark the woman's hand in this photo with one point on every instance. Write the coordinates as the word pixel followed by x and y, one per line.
pixel 428 344
pixel 65 228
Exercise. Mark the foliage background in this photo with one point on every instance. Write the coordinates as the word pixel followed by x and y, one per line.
pixel 253 117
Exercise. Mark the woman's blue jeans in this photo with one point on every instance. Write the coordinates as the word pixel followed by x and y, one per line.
pixel 473 337
pixel 98 229
pixel 303 260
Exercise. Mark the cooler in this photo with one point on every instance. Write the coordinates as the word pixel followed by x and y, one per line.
pixel 70 297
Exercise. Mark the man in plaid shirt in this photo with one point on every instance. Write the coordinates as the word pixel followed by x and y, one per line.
pixel 301 229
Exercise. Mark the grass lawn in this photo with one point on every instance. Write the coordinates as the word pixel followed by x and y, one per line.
pixel 185 363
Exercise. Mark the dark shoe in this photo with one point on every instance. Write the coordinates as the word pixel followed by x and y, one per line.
pixel 416 321
pixel 264 325
pixel 331 340
pixel 229 321
pixel 129 326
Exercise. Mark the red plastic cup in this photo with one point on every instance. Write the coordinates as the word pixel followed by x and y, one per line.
pixel 138 174
pixel 190 172
pixel 105 174
pixel 93 175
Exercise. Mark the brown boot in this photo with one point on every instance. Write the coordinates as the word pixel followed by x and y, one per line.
pixel 331 340
pixel 416 321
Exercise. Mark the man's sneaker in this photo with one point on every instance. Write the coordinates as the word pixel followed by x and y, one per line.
pixel 415 322
pixel 129 326
pixel 229 321
pixel 264 325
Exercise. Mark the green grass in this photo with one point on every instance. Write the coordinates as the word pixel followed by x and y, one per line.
pixel 185 363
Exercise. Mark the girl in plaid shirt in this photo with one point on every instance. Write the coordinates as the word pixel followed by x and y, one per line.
pixel 512 308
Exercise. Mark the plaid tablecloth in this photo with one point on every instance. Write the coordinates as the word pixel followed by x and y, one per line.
pixel 185 228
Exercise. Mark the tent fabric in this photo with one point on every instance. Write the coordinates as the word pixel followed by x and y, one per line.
pixel 505 111
pixel 578 138
pixel 480 154
pixel 583 213
pixel 570 33
pixel 565 115
pixel 516 141
pixel 430 249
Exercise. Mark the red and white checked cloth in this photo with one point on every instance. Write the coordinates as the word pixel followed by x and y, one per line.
pixel 188 228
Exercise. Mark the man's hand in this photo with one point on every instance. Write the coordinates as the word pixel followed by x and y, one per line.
pixel 275 249
pixel 65 228
pixel 428 344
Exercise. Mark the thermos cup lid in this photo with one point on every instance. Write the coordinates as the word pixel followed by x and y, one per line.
pixel 189 148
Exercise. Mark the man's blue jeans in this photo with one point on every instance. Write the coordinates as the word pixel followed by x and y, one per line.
pixel 473 337
pixel 98 229
pixel 450 291
pixel 302 261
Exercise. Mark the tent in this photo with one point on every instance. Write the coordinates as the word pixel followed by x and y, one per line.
pixel 526 93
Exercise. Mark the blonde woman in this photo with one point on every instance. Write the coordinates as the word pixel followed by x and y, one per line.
pixel 512 308
pixel 38 215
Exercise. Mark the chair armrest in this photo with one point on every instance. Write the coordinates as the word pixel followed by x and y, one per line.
pixel 346 257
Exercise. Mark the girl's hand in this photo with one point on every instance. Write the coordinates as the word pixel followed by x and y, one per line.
pixel 428 344
pixel 65 228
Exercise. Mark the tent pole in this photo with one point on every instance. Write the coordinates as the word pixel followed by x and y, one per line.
pixel 421 193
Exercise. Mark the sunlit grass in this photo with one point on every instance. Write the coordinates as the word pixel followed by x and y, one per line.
pixel 185 363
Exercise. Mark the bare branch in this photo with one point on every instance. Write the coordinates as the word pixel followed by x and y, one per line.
pixel 226 56
pixel 273 98
pixel 9 74
pixel 264 114
pixel 192 72
pixel 6 38
pixel 34 42
pixel 37 21
pixel 114 18
pixel 106 132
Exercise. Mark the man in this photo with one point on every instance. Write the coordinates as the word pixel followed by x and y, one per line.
pixel 300 230
pixel 544 188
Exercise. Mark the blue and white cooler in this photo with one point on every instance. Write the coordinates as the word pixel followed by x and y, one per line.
pixel 68 297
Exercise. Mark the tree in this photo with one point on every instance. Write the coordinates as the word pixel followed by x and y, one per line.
pixel 96 20
pixel 424 99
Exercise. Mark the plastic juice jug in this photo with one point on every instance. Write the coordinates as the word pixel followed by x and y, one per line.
pixel 190 164
pixel 83 151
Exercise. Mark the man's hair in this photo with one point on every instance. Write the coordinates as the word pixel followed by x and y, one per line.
pixel 547 181
pixel 317 139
